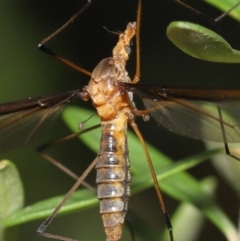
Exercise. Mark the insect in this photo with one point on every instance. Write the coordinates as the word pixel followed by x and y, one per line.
pixel 42 103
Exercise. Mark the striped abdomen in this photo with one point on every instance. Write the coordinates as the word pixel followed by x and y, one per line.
pixel 113 176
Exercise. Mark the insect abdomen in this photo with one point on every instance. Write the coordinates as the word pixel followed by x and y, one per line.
pixel 113 177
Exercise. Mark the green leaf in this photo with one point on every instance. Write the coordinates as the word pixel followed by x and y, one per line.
pixel 202 43
pixel 228 167
pixel 80 200
pixel 11 197
pixel 187 213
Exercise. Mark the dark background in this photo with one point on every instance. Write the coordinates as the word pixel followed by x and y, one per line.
pixel 25 71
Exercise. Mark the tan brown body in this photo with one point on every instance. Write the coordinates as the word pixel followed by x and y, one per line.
pixel 114 106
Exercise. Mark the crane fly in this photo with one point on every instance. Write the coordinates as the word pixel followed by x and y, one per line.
pixel 205 114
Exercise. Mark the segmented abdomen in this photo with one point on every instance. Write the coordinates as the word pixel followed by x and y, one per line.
pixel 113 176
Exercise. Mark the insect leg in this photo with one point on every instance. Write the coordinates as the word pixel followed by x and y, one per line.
pixel 46 223
pixel 156 186
pixel 52 53
pixel 204 16
pixel 137 73
pixel 41 149
pixel 224 136
pixel 65 25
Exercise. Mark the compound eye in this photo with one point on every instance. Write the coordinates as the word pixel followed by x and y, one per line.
pixel 128 49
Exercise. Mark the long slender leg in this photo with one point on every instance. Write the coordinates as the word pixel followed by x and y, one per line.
pixel 218 19
pixel 137 73
pixel 224 136
pixel 211 20
pixel 42 47
pixel 41 150
pixel 46 223
pixel 52 53
pixel 156 186
pixel 65 25
pixel 146 117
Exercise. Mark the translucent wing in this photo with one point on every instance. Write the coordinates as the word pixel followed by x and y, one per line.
pixel 197 113
pixel 23 121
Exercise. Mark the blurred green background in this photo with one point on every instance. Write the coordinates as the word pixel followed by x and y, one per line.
pixel 25 71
